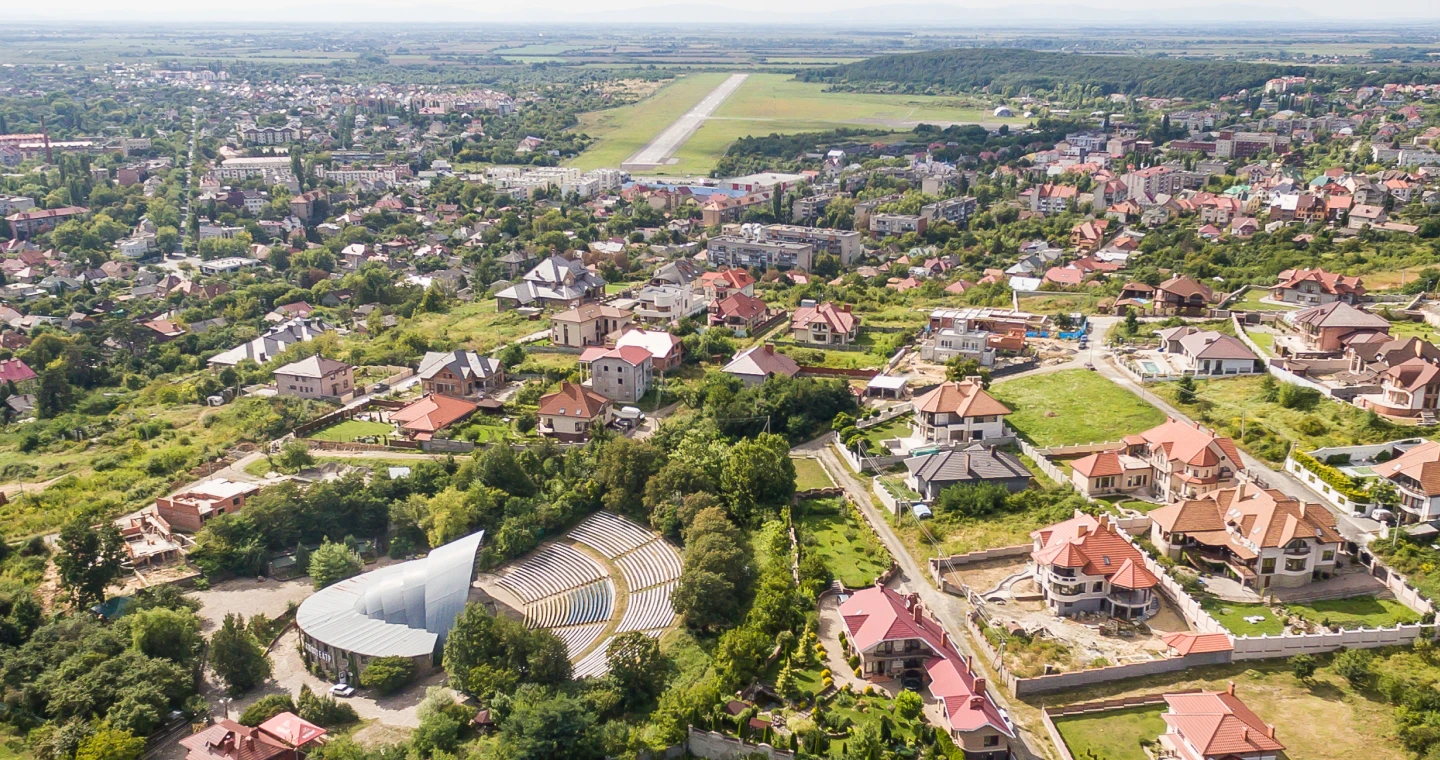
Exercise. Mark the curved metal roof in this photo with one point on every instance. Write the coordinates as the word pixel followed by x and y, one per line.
pixel 402 610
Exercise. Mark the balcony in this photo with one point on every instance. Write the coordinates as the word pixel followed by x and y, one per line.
pixel 1068 590
pixel 1298 551
pixel 1063 572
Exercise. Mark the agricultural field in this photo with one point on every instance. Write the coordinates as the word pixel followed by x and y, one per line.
pixel 765 104
pixel 1058 408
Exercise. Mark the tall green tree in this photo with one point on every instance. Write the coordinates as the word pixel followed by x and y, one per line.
pixel 332 563
pixel 89 559
pixel 237 657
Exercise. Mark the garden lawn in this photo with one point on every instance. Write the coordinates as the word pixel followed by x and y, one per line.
pixel 809 474
pixel 1271 427
pixel 1061 408
pixel 896 428
pixel 1232 615
pixel 1265 340
pixel 1356 612
pixel 829 529
pixel 1251 302
pixel 350 430
pixel 1113 735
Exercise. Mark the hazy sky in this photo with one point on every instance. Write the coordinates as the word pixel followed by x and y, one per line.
pixel 909 12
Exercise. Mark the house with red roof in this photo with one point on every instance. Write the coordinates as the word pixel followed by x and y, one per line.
pixel 16 371
pixel 739 312
pixel 1267 539
pixel 825 324
pixel 895 639
pixel 1216 725
pixel 228 740
pixel 959 411
pixel 1173 461
pixel 1309 287
pixel 422 419
pixel 1086 565
pixel 1416 475
pixel 718 285
pixel 569 413
pixel 623 373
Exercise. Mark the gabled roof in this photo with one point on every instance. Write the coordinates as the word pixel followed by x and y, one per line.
pixel 1215 345
pixel 975 462
pixel 839 320
pixel 740 306
pixel 1219 724
pixel 462 364
pixel 1191 444
pixel 590 312
pixel 1339 314
pixel 573 400
pixel 314 367
pixel 228 740
pixel 432 413
pixel 965 398
pixel 1185 288
pixel 762 360
pixel 1188 642
pixel 1329 282
pixel 16 371
pixel 1420 464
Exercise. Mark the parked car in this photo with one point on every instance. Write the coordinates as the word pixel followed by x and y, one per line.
pixel 921 511
pixel 342 690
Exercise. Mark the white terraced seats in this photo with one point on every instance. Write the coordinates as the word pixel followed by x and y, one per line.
pixel 592 603
pixel 649 609
pixel 611 534
pixel 577 638
pixel 597 663
pixel 650 565
pixel 550 570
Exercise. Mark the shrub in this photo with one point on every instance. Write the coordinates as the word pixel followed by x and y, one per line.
pixel 1297 397
pixel 1303 666
pixel 266 708
pixel 388 675
pixel 323 711
pixel 1354 665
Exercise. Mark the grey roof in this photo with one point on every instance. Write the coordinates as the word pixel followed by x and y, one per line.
pixel 1215 345
pixel 465 364
pixel 974 463
pixel 1339 314
pixel 313 366
pixel 403 610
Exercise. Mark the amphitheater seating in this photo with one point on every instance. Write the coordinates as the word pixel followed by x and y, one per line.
pixel 550 570
pixel 610 534
pixel 593 603
pixel 651 565
pixel 597 663
pixel 578 638
pixel 649 609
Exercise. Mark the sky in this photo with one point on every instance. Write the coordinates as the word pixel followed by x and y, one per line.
pixel 903 12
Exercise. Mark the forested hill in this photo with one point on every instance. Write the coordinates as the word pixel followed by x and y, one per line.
pixel 1007 70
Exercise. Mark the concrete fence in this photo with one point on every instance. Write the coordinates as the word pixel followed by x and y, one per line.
pixel 713 746
pixel 1290 644
pixel 883 494
pixel 941 565
pixel 1046 466
pixel 1324 490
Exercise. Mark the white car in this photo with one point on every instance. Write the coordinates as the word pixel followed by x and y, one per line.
pixel 342 689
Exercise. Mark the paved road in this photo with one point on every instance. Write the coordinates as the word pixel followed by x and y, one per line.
pixel 663 145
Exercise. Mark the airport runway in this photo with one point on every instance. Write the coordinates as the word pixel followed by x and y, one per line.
pixel 660 149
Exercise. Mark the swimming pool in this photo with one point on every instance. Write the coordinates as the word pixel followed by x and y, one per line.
pixel 1150 367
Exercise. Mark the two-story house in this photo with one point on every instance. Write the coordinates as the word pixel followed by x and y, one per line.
pixel 620 374
pixel 895 639
pixel 315 377
pixel 588 325
pixel 1265 538
pixel 954 412
pixel 1086 565
pixel 1183 296
pixel 738 312
pixel 1316 286
pixel 667 304
pixel 719 285
pixel 460 374
pixel 1416 475
pixel 1332 326
pixel 825 324
pixel 569 413
pixel 950 342
pixel 1173 461
pixel 1216 725
pixel 188 511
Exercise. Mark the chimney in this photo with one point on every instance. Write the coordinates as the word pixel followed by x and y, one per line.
pixel 1244 734
pixel 1104 523
pixel 945 639
pixel 915 612
pixel 770 348
pixel 1082 531
pixel 1230 689
pixel 980 686
pixel 1270 730
pixel 977 703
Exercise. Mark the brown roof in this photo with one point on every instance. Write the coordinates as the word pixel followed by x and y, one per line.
pixel 590 312
pixel 1247 516
pixel 1329 282
pixel 1184 287
pixel 966 398
pixel 228 740
pixel 1339 314
pixel 573 400
pixel 1420 464
pixel 1095 546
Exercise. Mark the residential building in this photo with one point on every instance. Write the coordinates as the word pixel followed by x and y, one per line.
pixel 422 419
pixel 929 474
pixel 18 372
pixel 569 413
pixel 1230 144
pixel 1416 475
pixel 1187 461
pixel 1408 389
pixel 756 364
pixel 1086 565
pixel 24 224
pixel 1332 326
pixel 825 324
pixel 738 251
pixel 957 211
pixel 897 224
pixel 719 285
pixel 1363 215
pixel 188 511
pixel 665 349
pixel 843 244
pixel 1183 296
pixel 1216 725
pixel 959 411
pixel 270 135
pixel 228 740
pixel 1144 185
pixel 1103 473
pixel 272 342
pixel 950 342
pixel 588 325
pixel 667 304
pixel 622 374
pixel 460 374
pixel 554 283
pixel 1087 236
pixel 739 312
pixel 1049 199
pixel 1264 538
pixel 315 377
pixel 895 639
pixel 1207 352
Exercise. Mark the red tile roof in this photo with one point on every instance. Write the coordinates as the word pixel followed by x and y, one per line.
pixel 573 400
pixel 16 371
pixel 1219 724
pixel 292 729
pixel 431 414
pixel 1096 547
pixel 228 740
pixel 1189 642
pixel 965 398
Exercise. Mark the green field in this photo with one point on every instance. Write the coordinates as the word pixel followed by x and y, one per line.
pixel 809 474
pixel 1113 735
pixel 350 430
pixel 1059 408
pixel 764 104
pixel 829 529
